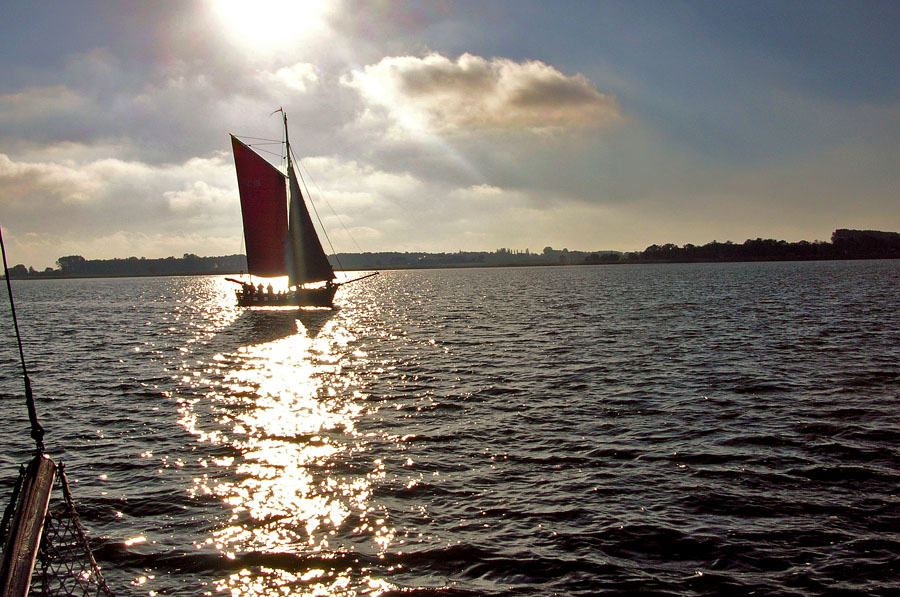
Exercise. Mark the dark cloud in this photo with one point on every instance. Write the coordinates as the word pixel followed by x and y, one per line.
pixel 473 93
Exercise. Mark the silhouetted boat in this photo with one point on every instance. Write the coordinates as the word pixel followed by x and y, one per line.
pixel 279 234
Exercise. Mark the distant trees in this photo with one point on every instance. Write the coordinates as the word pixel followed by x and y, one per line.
pixel 865 243
pixel 71 265
pixel 845 244
pixel 502 256
pixel 18 271
pixel 76 265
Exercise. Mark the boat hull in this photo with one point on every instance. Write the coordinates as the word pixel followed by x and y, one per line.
pixel 302 297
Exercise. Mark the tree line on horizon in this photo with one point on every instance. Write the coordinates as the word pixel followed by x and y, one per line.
pixel 845 244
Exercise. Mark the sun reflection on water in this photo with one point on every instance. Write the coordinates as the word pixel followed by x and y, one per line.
pixel 286 459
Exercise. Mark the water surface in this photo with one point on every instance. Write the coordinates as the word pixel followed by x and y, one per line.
pixel 666 429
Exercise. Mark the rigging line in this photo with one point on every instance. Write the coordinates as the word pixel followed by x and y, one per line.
pixel 331 207
pixel 267 140
pixel 259 150
pixel 316 211
pixel 37 432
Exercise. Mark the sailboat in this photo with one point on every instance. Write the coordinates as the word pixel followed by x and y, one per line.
pixel 279 234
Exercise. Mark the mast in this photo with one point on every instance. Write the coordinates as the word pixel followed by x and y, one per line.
pixel 306 259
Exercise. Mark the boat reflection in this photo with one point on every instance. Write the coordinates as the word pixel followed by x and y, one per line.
pixel 279 424
pixel 262 326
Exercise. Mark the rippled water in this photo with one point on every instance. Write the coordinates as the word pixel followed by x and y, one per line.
pixel 672 429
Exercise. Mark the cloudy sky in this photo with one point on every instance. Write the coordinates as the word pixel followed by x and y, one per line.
pixel 449 125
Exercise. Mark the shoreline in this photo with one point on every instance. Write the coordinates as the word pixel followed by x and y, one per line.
pixel 43 276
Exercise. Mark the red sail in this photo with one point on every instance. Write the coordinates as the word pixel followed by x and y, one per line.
pixel 264 208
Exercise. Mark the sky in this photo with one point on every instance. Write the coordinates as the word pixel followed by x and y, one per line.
pixel 449 125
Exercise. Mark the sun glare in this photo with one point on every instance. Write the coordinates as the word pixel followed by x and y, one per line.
pixel 276 412
pixel 268 25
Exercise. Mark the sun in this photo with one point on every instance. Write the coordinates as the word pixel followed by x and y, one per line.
pixel 269 25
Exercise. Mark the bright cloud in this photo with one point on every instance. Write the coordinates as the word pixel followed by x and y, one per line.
pixel 69 203
pixel 22 183
pixel 27 104
pixel 474 93
pixel 197 196
pixel 296 78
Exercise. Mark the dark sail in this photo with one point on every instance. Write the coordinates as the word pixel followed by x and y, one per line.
pixel 264 210
pixel 307 261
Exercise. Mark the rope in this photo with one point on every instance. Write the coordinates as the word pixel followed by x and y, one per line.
pixel 289 152
pixel 37 432
pixel 264 141
pixel 318 217
pixel 328 203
